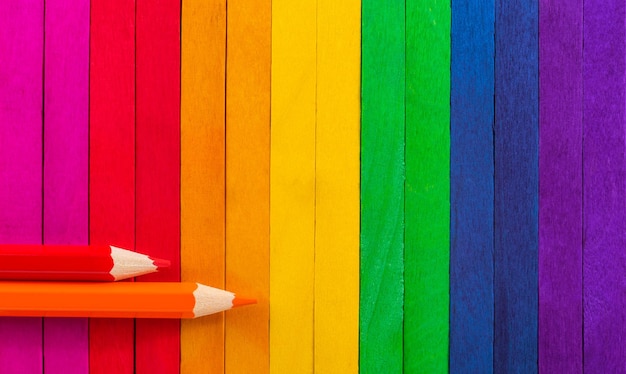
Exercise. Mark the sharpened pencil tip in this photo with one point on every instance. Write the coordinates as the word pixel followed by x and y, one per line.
pixel 160 263
pixel 238 301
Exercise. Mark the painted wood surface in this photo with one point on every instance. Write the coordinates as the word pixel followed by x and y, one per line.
pixel 382 186
pixel 202 195
pixel 292 185
pixel 249 38
pixel 560 187
pixel 157 147
pixel 516 187
pixel 21 100
pixel 337 171
pixel 604 200
pixel 65 164
pixel 471 187
pixel 112 163
pixel 427 187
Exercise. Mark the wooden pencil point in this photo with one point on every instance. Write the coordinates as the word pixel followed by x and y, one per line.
pixel 238 301
pixel 160 263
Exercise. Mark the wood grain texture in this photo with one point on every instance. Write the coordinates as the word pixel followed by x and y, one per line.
pixel 382 186
pixel 247 184
pixel 427 188
pixel 21 100
pixel 157 147
pixel 112 163
pixel 560 187
pixel 471 187
pixel 65 164
pixel 337 172
pixel 203 59
pixel 516 187
pixel 292 185
pixel 604 195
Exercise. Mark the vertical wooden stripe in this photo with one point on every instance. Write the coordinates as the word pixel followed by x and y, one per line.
pixel 247 186
pixel 471 187
pixel 65 177
pixel 292 185
pixel 427 192
pixel 516 187
pixel 157 147
pixel 382 186
pixel 337 172
pixel 112 163
pixel 560 187
pixel 203 59
pixel 603 189
pixel 21 100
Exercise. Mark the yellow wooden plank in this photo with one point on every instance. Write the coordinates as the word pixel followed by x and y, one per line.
pixel 292 188
pixel 203 48
pixel 247 182
pixel 337 187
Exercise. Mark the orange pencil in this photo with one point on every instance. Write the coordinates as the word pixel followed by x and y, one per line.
pixel 114 299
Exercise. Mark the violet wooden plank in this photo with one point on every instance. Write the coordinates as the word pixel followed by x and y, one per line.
pixel 604 193
pixel 21 96
pixel 471 187
pixel 65 163
pixel 560 187
pixel 516 131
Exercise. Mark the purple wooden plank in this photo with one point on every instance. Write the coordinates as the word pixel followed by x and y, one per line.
pixel 560 187
pixel 21 62
pixel 65 178
pixel 604 187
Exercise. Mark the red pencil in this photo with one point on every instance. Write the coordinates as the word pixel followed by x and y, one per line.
pixel 73 262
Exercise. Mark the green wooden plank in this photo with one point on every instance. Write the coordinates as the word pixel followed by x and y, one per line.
pixel 382 186
pixel 427 200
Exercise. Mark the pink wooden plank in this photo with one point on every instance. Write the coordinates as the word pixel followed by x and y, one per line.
pixel 21 62
pixel 65 163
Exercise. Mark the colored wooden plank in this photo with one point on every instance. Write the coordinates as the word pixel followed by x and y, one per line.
pixel 292 185
pixel 560 187
pixel 157 147
pixel 21 100
pixel 65 164
pixel 604 196
pixel 247 184
pixel 337 172
pixel 516 187
pixel 112 163
pixel 427 188
pixel 382 185
pixel 203 59
pixel 471 187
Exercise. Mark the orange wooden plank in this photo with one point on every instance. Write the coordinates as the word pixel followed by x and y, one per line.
pixel 202 174
pixel 247 182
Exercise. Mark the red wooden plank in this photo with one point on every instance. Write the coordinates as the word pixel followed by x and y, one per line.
pixel 158 169
pixel 112 162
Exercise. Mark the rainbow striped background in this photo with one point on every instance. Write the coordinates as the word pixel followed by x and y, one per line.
pixel 406 186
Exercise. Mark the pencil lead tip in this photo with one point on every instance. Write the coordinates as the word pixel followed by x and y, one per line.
pixel 160 263
pixel 238 301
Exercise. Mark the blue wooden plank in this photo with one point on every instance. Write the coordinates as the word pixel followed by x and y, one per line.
pixel 516 186
pixel 471 187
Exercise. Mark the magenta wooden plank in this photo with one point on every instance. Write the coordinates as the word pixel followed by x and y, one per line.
pixel 65 163
pixel 560 186
pixel 604 176
pixel 21 68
